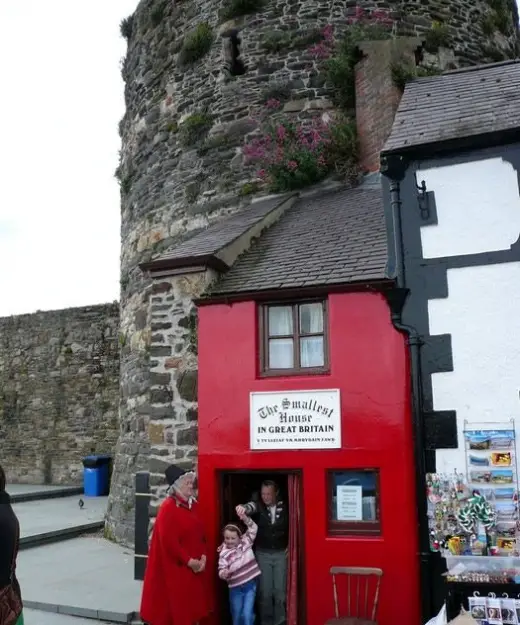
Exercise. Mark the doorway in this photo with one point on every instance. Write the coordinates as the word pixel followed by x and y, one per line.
pixel 238 487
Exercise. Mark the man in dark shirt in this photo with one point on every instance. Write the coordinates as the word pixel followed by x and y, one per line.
pixel 272 540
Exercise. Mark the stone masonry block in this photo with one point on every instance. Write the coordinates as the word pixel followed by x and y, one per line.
pixel 187 385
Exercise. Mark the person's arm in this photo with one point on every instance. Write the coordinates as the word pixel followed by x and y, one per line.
pixel 223 568
pixel 250 508
pixel 250 535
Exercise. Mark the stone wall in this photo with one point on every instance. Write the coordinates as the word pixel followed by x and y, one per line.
pixel 59 392
pixel 173 430
pixel 173 183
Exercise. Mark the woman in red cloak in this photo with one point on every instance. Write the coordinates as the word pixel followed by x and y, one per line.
pixel 175 589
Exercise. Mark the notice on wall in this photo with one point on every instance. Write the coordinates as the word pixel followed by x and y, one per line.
pixel 295 420
pixel 349 503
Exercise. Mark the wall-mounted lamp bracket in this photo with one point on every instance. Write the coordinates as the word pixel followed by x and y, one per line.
pixel 423 201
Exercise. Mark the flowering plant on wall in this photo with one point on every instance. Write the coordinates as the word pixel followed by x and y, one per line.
pixel 337 55
pixel 290 156
pixel 293 155
pixel 298 154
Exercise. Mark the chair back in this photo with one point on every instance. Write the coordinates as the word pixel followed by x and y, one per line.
pixel 363 586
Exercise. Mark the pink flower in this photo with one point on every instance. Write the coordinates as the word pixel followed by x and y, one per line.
pixel 320 50
pixel 262 174
pixel 281 132
pixel 292 165
pixel 328 32
pixel 382 17
pixel 254 151
pixel 273 103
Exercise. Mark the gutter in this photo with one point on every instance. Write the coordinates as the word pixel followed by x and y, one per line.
pixel 445 148
pixel 394 167
pixel 281 294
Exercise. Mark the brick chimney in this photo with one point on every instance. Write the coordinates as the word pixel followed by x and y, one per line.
pixel 377 98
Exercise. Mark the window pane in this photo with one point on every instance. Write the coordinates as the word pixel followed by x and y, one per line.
pixel 280 320
pixel 311 352
pixel 281 354
pixel 354 496
pixel 311 318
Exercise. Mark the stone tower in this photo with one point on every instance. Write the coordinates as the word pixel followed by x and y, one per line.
pixel 182 168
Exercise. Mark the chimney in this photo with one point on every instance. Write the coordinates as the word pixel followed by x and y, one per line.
pixel 377 98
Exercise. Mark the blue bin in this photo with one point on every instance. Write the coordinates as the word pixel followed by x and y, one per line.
pixel 96 475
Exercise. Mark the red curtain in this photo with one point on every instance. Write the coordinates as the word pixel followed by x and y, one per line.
pixel 294 540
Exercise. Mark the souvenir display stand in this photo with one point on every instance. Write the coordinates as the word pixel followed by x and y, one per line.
pixel 473 519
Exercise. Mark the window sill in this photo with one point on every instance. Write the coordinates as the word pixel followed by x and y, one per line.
pixel 286 373
pixel 356 530
pixel 371 539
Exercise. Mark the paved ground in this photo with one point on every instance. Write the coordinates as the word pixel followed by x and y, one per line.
pixel 38 517
pixel 37 617
pixel 86 573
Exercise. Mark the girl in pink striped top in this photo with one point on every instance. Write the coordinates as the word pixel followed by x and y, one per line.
pixel 237 565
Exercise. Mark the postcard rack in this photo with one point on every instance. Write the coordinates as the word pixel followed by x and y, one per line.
pixel 491 469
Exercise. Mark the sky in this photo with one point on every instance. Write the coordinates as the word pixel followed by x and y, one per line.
pixel 60 104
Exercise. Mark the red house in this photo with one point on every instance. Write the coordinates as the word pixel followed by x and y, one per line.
pixel 303 378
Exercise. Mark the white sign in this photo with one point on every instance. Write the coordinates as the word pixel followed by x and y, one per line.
pixel 349 503
pixel 296 420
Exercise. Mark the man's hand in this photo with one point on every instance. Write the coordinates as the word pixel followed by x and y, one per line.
pixel 202 564
pixel 194 565
pixel 241 511
pixel 224 574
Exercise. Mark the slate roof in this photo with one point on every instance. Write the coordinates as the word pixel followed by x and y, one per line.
pixel 458 104
pixel 203 245
pixel 334 238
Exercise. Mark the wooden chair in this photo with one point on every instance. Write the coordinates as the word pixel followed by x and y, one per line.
pixel 361 608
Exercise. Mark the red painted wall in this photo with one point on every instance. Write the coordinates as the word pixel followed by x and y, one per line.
pixel 369 365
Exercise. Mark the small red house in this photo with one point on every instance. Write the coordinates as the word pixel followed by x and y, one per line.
pixel 304 379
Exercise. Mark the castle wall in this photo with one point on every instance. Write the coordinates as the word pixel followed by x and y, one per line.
pixel 59 392
pixel 178 176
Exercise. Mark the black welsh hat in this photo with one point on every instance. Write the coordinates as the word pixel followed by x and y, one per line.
pixel 173 473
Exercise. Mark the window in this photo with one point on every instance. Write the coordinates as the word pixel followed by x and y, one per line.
pixel 294 338
pixel 233 65
pixel 353 502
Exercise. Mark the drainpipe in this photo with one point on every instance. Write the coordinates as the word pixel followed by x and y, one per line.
pixel 394 168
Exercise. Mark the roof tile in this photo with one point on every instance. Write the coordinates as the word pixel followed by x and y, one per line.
pixel 221 234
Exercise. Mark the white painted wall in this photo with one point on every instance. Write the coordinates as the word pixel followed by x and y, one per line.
pixel 482 314
pixel 478 207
